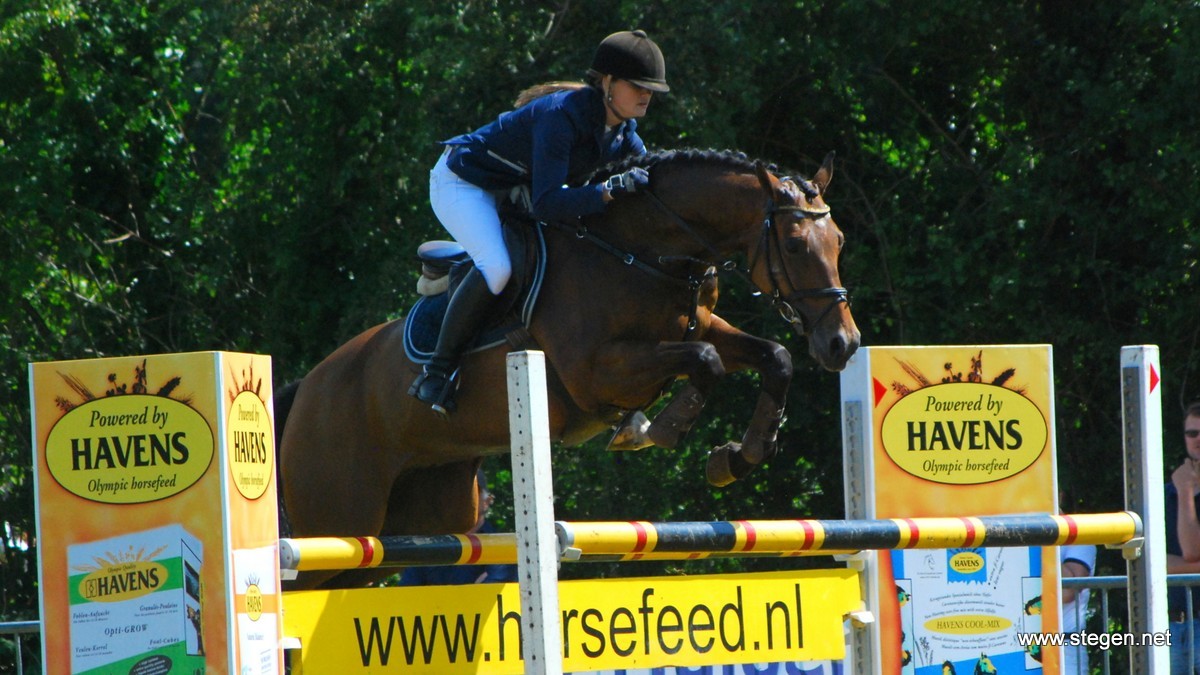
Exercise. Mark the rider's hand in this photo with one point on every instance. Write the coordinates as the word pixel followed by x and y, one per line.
pixel 628 183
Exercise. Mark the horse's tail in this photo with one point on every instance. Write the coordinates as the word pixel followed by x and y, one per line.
pixel 282 401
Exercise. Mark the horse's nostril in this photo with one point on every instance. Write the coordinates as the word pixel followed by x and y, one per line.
pixel 837 346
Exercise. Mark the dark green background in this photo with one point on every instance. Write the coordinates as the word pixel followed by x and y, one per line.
pixel 251 176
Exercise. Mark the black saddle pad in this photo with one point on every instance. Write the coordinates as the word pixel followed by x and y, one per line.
pixel 424 321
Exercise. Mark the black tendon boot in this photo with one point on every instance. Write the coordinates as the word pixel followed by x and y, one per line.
pixel 463 316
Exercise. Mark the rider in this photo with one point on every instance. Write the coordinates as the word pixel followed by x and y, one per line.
pixel 546 145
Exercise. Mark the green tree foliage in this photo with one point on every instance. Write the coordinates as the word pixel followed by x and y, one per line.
pixel 251 176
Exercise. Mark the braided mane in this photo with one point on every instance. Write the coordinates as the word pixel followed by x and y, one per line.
pixel 732 159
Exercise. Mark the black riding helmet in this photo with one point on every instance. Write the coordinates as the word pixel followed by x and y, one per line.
pixel 630 55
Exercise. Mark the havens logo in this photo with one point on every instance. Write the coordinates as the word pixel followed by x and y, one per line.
pixel 130 446
pixel 129 449
pixel 123 581
pixel 964 433
pixel 254 599
pixel 964 430
pixel 251 445
pixel 122 575
pixel 966 562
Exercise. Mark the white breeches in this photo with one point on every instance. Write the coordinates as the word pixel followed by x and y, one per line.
pixel 468 212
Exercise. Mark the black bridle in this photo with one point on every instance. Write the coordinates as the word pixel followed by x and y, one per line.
pixel 768 245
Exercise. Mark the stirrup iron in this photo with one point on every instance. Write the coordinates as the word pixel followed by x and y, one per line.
pixel 441 401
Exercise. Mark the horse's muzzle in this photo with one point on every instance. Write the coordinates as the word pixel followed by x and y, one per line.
pixel 838 350
pixel 831 342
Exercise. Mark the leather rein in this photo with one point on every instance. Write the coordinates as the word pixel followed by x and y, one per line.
pixel 768 245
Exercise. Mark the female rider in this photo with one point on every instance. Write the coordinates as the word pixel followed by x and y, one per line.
pixel 547 145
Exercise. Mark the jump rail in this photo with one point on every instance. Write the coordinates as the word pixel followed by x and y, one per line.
pixel 637 540
pixel 789 537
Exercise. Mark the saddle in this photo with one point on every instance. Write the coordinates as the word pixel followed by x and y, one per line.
pixel 444 263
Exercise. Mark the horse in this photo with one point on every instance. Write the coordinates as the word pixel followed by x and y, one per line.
pixel 626 308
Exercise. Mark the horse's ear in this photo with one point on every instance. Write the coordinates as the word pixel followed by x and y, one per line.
pixel 825 173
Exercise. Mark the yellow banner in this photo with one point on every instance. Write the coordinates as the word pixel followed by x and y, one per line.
pixel 606 624
pixel 156 507
pixel 962 431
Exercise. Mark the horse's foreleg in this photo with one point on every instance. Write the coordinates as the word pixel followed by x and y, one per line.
pixel 676 420
pixel 739 351
pixel 646 368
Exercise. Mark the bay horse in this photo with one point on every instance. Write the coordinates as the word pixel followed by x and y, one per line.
pixel 626 308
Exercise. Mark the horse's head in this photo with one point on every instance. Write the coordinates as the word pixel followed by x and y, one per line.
pixel 795 262
pixel 712 204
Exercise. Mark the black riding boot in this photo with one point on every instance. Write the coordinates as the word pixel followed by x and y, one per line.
pixel 463 316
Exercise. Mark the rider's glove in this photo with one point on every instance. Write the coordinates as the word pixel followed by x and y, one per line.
pixel 628 183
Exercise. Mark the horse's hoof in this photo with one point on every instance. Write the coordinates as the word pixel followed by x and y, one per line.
pixel 631 433
pixel 719 471
pixel 727 464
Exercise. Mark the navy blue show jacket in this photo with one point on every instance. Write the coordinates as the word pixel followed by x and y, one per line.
pixel 552 145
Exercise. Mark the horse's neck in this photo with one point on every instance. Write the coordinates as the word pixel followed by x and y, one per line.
pixel 713 216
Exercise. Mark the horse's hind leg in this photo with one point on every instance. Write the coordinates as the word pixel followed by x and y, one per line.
pixel 434 500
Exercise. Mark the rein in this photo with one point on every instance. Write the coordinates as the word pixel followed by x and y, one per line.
pixel 692 282
pixel 768 245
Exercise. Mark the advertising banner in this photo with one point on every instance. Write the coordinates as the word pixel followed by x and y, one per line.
pixel 957 432
pixel 156 510
pixel 701 621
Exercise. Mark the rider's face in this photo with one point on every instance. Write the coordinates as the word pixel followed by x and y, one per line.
pixel 625 100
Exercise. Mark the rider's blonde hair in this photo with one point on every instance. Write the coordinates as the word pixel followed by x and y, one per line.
pixel 539 90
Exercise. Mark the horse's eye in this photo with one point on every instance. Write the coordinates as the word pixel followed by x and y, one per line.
pixel 793 244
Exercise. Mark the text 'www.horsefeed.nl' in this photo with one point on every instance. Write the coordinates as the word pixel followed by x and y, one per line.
pixel 701 628
pixel 604 624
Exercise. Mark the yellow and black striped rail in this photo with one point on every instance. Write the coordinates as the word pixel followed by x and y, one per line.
pixel 342 553
pixel 640 540
pixel 644 540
